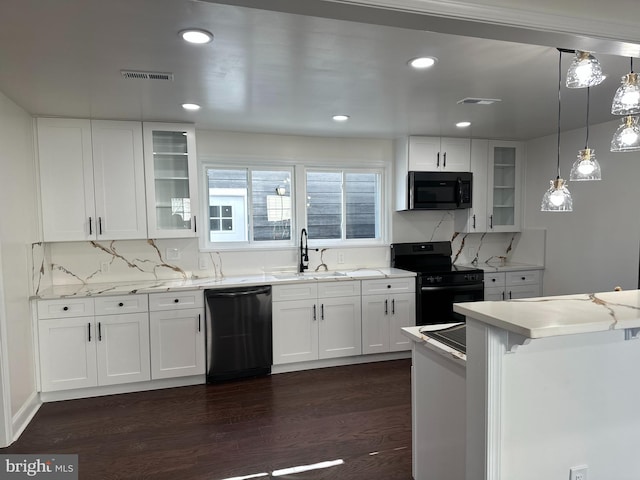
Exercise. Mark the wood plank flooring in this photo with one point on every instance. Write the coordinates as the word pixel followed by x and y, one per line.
pixel 360 414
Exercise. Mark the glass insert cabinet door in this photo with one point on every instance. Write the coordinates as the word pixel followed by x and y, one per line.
pixel 170 171
pixel 504 186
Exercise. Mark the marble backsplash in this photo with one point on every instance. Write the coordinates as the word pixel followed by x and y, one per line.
pixel 68 263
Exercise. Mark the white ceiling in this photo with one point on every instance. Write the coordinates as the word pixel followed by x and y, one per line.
pixel 280 73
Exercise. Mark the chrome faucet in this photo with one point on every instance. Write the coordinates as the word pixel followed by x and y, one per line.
pixel 304 251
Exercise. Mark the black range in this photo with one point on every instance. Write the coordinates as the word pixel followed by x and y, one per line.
pixel 439 283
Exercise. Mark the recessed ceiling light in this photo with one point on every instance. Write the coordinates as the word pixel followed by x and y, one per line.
pixel 463 124
pixel 423 62
pixel 341 118
pixel 191 106
pixel 196 35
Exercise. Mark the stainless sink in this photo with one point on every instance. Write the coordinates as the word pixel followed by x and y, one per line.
pixel 326 274
pixel 308 275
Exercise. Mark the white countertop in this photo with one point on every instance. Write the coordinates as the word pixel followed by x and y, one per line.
pixel 159 286
pixel 507 267
pixel 414 334
pixel 560 315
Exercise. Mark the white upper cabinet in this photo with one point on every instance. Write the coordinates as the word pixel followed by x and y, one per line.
pixel 91 179
pixel 66 179
pixel 430 154
pixel 118 172
pixel 171 180
pixel 497 188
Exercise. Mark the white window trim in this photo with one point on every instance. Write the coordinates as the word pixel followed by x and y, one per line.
pixel 298 185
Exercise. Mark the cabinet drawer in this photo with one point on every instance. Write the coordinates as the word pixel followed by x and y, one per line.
pixel 389 285
pixel 176 300
pixel 339 289
pixel 121 304
pixel 296 291
pixel 65 308
pixel 494 279
pixel 524 277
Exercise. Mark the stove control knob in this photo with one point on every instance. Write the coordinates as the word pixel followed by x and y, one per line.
pixel 430 279
pixel 438 279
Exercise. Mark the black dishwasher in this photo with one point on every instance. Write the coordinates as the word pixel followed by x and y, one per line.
pixel 238 328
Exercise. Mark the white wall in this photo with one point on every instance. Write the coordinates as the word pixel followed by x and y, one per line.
pixel 17 232
pixel 594 248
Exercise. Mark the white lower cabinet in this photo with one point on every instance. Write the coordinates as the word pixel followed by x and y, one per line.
pixel 387 306
pixel 316 320
pixel 80 351
pixel 511 285
pixel 177 334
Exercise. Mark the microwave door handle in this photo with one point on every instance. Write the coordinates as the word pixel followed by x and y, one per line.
pixel 459 193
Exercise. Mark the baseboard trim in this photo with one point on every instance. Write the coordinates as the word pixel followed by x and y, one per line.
pixel 339 362
pixel 23 417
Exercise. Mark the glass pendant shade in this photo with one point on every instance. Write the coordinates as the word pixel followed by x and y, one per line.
pixel 586 167
pixel 557 198
pixel 626 101
pixel 627 136
pixel 584 71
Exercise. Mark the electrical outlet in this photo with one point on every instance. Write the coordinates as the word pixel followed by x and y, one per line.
pixel 340 257
pixel 578 473
pixel 173 253
pixel 202 263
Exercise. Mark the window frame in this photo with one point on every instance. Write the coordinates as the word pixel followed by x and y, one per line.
pixel 297 169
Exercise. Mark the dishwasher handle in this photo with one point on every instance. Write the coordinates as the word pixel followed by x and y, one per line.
pixel 239 293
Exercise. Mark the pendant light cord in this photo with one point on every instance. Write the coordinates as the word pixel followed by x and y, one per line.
pixel 559 104
pixel 586 142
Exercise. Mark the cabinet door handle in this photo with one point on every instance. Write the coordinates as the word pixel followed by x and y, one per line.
pixel 386 307
pixel 510 295
pixel 438 160
pixel 314 313
pixel 523 278
pixel 393 306
pixel 195 225
pixel 100 225
pixel 89 327
pixel 65 308
pixel 90 226
pixel 444 161
pixel 99 331
pixel 121 304
pixel 503 295
pixel 322 312
pixel 198 322
pixel 490 221
pixel 177 300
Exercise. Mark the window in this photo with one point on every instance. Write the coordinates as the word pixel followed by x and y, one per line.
pixel 343 204
pixel 249 205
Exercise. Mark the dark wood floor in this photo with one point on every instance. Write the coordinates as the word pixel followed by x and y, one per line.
pixel 360 414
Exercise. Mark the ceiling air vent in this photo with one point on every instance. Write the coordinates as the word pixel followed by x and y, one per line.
pixel 147 75
pixel 478 101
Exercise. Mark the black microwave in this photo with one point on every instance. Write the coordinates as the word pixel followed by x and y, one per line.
pixel 439 190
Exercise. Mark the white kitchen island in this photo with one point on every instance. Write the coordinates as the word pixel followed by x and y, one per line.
pixel 547 384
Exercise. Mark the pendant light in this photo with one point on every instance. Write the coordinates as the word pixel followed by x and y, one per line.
pixel 584 71
pixel 557 198
pixel 627 136
pixel 586 167
pixel 626 101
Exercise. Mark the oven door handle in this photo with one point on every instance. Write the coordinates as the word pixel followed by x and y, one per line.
pixel 454 288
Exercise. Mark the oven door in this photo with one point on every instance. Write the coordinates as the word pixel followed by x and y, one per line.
pixel 435 303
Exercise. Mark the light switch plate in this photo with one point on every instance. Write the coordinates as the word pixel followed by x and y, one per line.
pixel 173 253
pixel 578 473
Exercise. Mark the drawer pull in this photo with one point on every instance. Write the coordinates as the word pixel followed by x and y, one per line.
pixel 176 300
pixel 121 304
pixel 65 308
pixel 493 279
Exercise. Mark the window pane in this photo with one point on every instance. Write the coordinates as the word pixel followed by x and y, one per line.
pixel 228 214
pixel 324 205
pixel 271 205
pixel 362 209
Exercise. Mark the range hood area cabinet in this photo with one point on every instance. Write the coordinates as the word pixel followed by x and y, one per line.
pixel 427 154
pixel 92 180
pixel 497 192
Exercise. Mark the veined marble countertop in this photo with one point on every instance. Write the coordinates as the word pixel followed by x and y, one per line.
pixel 508 267
pixel 561 315
pixel 171 285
